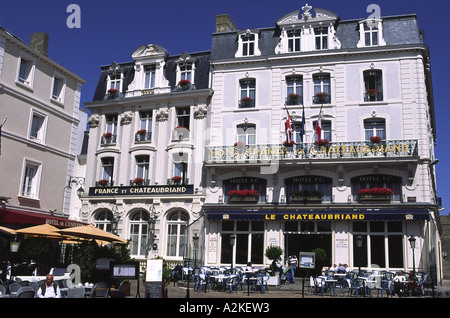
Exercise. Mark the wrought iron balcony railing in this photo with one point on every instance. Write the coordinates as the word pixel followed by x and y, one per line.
pixel 333 150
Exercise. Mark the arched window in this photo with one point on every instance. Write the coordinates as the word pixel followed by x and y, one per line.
pixel 176 226
pixel 103 220
pixel 139 233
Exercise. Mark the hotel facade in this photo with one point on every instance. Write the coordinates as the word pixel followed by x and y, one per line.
pixel 304 135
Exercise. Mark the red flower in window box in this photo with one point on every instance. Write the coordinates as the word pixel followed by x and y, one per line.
pixel 239 144
pixel 141 132
pixel 112 91
pixel 294 96
pixel 108 135
pixel 247 100
pixel 375 191
pixel 321 142
pixel 288 143
pixel 184 83
pixel 138 181
pixel 321 96
pixel 176 179
pixel 243 193
pixel 372 92
pixel 103 182
pixel 375 139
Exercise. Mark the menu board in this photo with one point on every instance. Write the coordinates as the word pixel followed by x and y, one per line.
pixel 153 278
pixel 124 270
pixel 307 260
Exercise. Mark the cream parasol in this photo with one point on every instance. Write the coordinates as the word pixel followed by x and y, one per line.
pixel 93 233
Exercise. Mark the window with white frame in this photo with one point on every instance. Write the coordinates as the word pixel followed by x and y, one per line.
pixel 115 81
pixel 321 37
pixel 30 180
pixel 374 127
pixel 373 84
pixel 186 71
pixel 371 33
pixel 144 132
pixel 293 40
pixel 183 117
pixel 38 127
pixel 58 88
pixel 107 170
pixel 246 134
pixel 176 226
pixel 247 93
pixel 139 233
pixel 322 89
pixel 294 90
pixel 102 220
pixel 111 129
pixel 26 70
pixel 149 76
pixel 325 131
pixel 142 167
pixel 248 44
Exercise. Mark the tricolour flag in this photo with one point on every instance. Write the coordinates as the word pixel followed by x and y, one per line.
pixel 288 129
pixel 319 126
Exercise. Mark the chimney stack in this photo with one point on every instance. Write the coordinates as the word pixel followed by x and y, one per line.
pixel 224 24
pixel 39 42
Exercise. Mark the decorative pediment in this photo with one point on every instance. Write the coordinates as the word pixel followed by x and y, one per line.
pixel 305 15
pixel 186 58
pixel 149 51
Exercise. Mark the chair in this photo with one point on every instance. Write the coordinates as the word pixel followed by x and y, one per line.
pixel 100 290
pixel 26 292
pixel 202 282
pixel 2 290
pixel 262 282
pixel 358 286
pixel 13 288
pixel 232 283
pixel 320 283
pixel 35 286
pixel 76 292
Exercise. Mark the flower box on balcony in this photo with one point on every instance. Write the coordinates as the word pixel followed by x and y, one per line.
pixel 322 142
pixel 375 195
pixel 138 181
pixel 375 139
pixel 322 97
pixel 184 83
pixel 108 135
pixel 246 102
pixel 103 183
pixel 176 179
pixel 243 196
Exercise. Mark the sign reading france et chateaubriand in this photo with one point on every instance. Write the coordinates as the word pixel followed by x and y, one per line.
pixel 143 190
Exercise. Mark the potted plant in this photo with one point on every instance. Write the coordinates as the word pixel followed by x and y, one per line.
pixel 184 83
pixel 372 92
pixel 108 135
pixel 243 195
pixel 274 253
pixel 321 96
pixel 246 101
pixel 176 179
pixel 138 181
pixel 375 139
pixel 293 98
pixel 103 182
pixel 321 142
pixel 375 194
pixel 142 132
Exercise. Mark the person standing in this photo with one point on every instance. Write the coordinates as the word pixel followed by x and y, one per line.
pixel 49 289
pixel 292 263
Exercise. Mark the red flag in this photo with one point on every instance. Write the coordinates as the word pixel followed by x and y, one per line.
pixel 319 127
pixel 288 129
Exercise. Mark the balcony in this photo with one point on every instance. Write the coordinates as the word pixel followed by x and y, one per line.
pixel 247 102
pixel 373 95
pixel 143 136
pixel 113 94
pixel 309 151
pixel 294 99
pixel 108 139
pixel 321 98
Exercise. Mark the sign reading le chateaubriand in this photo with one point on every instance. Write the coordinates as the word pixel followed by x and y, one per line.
pixel 142 190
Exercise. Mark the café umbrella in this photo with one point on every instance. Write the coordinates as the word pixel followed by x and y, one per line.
pixel 91 232
pixel 43 230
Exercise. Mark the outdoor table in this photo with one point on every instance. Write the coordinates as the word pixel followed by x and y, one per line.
pixel 333 281
pixel 253 281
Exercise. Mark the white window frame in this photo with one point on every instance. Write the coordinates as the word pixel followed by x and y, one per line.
pixel 178 223
pixel 372 24
pixel 321 36
pixel 149 74
pixel 296 36
pixel 114 82
pixel 59 95
pixel 28 80
pixel 42 131
pixel 29 188
pixel 142 236
pixel 144 165
pixel 244 50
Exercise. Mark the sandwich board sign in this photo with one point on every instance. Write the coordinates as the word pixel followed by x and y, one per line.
pixel 153 278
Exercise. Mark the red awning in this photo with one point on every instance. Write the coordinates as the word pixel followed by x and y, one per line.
pixel 26 217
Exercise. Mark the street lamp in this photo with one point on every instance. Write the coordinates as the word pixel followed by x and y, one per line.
pixel 195 240
pixel 412 244
pixel 14 245
pixel 232 242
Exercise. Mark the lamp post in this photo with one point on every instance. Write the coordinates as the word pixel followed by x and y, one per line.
pixel 412 244
pixel 195 240
pixel 232 242
pixel 359 242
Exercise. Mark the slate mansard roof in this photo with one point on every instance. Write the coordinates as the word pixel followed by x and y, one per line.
pixel 201 79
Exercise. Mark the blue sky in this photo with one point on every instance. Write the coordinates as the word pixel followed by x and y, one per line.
pixel 111 30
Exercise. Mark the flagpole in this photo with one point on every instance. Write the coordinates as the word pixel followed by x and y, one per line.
pixel 4 120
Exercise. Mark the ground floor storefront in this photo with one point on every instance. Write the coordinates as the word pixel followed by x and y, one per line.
pixel 384 236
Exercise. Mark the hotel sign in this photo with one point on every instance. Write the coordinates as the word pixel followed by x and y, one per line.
pixel 142 190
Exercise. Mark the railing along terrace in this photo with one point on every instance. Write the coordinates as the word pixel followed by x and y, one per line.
pixel 331 150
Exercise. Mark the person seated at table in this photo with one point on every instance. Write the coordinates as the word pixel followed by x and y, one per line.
pixel 341 269
pixel 49 289
pixel 334 267
pixel 412 283
pixel 399 281
pixel 249 267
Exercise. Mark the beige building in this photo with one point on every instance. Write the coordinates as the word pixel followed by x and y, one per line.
pixel 40 108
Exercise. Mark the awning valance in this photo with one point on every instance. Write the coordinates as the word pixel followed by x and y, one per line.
pixel 319 214
pixel 8 215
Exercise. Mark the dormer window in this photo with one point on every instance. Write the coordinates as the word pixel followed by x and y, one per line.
pixel 293 40
pixel 371 33
pixel 149 76
pixel 186 71
pixel 248 44
pixel 321 35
